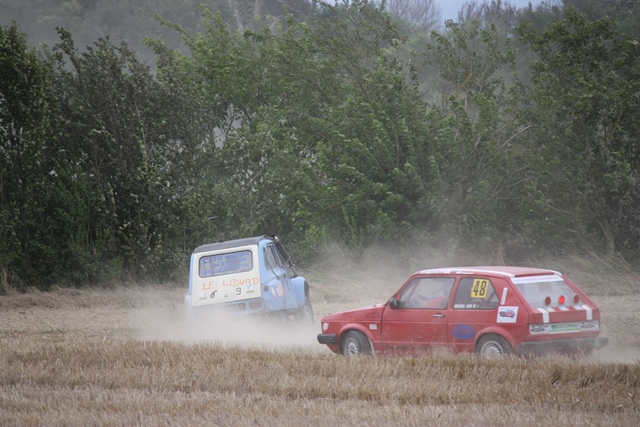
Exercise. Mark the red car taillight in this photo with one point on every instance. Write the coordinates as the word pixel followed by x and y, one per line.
pixel 562 300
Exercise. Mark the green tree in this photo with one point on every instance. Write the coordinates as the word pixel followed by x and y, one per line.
pixel 625 13
pixel 138 140
pixel 414 15
pixel 586 111
pixel 44 204
pixel 324 132
pixel 360 124
pixel 478 146
pixel 23 79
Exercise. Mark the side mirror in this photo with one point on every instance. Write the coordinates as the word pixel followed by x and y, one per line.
pixel 393 303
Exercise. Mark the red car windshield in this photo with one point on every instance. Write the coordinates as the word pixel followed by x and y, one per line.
pixel 536 290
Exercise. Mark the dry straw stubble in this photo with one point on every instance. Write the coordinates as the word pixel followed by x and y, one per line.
pixel 127 357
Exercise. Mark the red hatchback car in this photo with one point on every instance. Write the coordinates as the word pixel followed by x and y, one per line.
pixel 487 310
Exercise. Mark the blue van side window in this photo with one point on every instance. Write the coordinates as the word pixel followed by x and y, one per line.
pixel 271 263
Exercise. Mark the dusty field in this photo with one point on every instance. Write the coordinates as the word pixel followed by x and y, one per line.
pixel 128 356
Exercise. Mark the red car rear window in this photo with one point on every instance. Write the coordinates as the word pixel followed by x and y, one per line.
pixel 541 291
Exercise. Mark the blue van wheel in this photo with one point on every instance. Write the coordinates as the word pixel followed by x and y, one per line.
pixel 305 314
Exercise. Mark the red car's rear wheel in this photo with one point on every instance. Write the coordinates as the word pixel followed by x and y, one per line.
pixel 493 345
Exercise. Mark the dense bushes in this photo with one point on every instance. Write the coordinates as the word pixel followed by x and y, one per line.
pixel 318 131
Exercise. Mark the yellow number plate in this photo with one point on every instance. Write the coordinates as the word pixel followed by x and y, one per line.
pixel 479 288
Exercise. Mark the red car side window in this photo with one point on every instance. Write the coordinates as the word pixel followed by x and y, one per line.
pixel 427 292
pixel 475 293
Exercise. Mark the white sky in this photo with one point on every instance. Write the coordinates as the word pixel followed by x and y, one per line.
pixel 450 8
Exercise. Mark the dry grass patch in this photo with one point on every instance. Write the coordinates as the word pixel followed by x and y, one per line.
pixel 128 356
pixel 128 381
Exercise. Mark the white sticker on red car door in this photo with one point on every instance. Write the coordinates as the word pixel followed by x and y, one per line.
pixel 507 314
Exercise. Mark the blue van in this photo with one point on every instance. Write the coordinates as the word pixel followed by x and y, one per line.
pixel 254 275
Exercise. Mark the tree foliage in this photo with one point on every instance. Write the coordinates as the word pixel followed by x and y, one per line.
pixel 416 15
pixel 586 94
pixel 326 130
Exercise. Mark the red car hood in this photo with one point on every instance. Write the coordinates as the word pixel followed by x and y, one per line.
pixel 372 313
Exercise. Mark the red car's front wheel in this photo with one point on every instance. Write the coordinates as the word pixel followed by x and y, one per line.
pixel 355 343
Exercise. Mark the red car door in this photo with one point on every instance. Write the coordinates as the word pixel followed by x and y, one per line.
pixel 416 318
pixel 474 308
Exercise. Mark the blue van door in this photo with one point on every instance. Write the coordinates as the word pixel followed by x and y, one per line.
pixel 278 267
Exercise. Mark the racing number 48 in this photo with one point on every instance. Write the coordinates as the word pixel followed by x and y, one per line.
pixel 479 288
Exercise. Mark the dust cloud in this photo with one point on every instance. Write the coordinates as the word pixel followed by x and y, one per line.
pixel 341 281
pixel 227 329
pixel 615 354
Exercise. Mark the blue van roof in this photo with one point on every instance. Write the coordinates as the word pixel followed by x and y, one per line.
pixel 228 244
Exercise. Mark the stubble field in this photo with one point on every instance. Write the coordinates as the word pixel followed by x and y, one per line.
pixel 129 356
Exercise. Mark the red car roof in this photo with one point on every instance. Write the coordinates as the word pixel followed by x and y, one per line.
pixel 491 270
